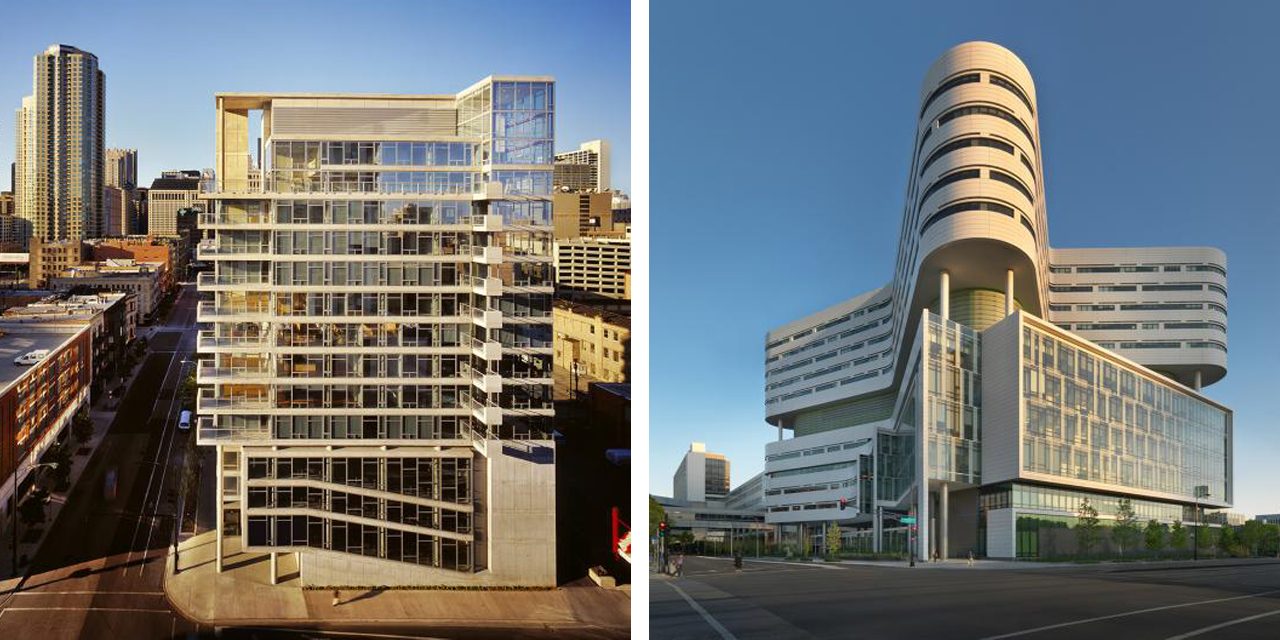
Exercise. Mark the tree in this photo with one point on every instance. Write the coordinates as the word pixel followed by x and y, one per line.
pixel 1087 527
pixel 1251 535
pixel 82 427
pixel 1155 536
pixel 1270 545
pixel 656 514
pixel 31 511
pixel 1125 532
pixel 1205 537
pixel 1178 536
pixel 833 539
pixel 1228 541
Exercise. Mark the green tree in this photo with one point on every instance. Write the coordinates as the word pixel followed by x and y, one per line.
pixel 1125 532
pixel 1178 536
pixel 1155 535
pixel 82 427
pixel 833 539
pixel 31 511
pixel 1251 535
pixel 1205 538
pixel 1270 545
pixel 656 514
pixel 1228 541
pixel 1087 528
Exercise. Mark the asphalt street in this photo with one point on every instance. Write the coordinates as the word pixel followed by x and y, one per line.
pixel 98 573
pixel 779 600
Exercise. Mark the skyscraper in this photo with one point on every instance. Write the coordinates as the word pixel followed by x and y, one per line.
pixel 584 169
pixel 122 168
pixel 379 377
pixel 60 134
pixel 996 383
pixel 701 475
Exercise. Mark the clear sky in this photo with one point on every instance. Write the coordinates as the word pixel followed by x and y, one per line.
pixel 165 60
pixel 781 137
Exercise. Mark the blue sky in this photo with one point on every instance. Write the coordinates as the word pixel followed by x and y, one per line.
pixel 165 60
pixel 780 141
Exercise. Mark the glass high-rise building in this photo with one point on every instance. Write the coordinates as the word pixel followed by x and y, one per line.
pixel 996 383
pixel 61 130
pixel 378 374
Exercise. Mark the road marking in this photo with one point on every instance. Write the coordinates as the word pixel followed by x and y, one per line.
pixel 109 609
pixel 724 633
pixel 89 593
pixel 810 565
pixel 1228 623
pixel 1127 613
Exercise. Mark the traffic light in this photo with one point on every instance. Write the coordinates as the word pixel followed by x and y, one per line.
pixel 662 529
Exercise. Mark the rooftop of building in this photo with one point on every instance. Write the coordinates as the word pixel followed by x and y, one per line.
pixel 61 306
pixel 620 389
pixel 14 343
pixel 259 99
pixel 610 317
pixel 175 184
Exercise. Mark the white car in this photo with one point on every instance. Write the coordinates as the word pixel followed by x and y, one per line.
pixel 30 358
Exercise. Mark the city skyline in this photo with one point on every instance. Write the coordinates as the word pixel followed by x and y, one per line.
pixel 158 100
pixel 710 390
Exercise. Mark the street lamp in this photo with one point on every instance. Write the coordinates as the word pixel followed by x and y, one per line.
pixel 13 509
pixel 1201 491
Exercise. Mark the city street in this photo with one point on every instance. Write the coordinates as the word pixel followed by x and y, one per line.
pixel 776 600
pixel 100 568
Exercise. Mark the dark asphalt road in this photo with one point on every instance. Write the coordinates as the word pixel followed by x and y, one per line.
pixel 794 600
pixel 98 573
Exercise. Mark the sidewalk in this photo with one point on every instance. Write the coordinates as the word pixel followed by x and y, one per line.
pixel 241 595
pixel 102 419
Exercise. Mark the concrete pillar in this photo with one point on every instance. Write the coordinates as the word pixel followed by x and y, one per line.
pixel 1008 292
pixel 1197 385
pixel 877 530
pixel 275 567
pixel 779 432
pixel 944 294
pixel 943 532
pixel 217 503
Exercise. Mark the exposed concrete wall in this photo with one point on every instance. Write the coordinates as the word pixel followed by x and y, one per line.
pixel 962 522
pixel 522 512
pixel 1000 534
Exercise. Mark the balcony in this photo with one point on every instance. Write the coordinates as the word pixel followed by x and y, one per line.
pixel 209 374
pixel 486 350
pixel 486 255
pixel 483 410
pixel 205 280
pixel 491 287
pixel 207 402
pixel 209 219
pixel 206 341
pixel 486 223
pixel 209 432
pixel 485 318
pixel 206 311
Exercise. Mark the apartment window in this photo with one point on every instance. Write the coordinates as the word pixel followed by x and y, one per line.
pixel 976 205
pixel 977 141
pixel 987 110
pixel 1013 88
pixel 947 86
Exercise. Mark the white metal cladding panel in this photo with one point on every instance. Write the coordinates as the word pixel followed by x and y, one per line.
pixel 1000 533
pixel 976 155
pixel 978 92
pixel 974 56
pixel 1001 400
pixel 419 122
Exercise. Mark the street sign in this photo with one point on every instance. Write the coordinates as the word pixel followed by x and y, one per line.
pixel 908 519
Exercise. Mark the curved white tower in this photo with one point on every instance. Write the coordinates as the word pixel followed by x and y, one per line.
pixel 993 362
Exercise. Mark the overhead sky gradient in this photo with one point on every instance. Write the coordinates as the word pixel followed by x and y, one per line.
pixel 780 145
pixel 165 60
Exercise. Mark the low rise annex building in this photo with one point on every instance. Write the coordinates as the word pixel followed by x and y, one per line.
pixel 995 383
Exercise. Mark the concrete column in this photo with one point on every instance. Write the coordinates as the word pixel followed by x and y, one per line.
pixel 779 432
pixel 944 294
pixel 877 530
pixel 1197 385
pixel 1008 292
pixel 943 532
pixel 217 503
pixel 275 567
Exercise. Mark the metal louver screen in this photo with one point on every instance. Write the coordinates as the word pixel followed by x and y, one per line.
pixel 351 121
